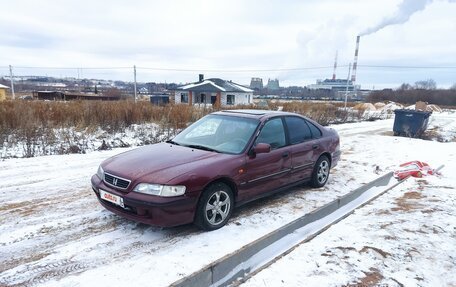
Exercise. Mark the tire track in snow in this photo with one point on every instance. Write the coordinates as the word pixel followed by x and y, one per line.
pixel 44 272
pixel 20 272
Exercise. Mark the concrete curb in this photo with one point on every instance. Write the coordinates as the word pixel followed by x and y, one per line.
pixel 230 268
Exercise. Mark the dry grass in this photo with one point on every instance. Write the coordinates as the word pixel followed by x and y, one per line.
pixel 323 113
pixel 36 121
pixel 39 124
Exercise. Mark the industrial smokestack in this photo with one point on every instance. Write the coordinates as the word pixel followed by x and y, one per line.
pixel 355 61
pixel 335 67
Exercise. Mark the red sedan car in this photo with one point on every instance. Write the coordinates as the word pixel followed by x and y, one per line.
pixel 223 160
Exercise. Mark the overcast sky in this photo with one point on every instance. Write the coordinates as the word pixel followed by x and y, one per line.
pixel 223 39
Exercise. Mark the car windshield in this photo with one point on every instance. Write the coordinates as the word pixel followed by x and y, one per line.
pixel 225 134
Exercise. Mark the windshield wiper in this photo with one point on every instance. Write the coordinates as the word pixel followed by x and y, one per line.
pixel 172 142
pixel 202 147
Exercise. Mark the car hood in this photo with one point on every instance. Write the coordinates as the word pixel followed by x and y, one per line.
pixel 159 163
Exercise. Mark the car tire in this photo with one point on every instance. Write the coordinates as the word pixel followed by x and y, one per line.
pixel 320 172
pixel 214 207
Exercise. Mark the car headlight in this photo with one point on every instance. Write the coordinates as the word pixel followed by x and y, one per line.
pixel 160 190
pixel 100 172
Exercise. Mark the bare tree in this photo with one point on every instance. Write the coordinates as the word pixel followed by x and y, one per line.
pixel 453 87
pixel 428 84
pixel 405 86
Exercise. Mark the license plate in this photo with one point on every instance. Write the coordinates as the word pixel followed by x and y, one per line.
pixel 111 198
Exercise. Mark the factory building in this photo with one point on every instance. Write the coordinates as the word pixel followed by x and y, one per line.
pixel 256 84
pixel 273 84
pixel 340 86
pixel 336 85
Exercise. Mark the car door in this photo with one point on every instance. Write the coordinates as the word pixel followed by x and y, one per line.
pixel 267 171
pixel 304 147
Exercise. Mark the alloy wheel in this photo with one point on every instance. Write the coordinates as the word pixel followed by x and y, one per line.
pixel 323 172
pixel 218 207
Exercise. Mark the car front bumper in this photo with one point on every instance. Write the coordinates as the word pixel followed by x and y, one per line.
pixel 148 209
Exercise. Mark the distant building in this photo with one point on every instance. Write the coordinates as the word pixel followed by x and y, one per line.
pixel 3 89
pixel 256 84
pixel 213 91
pixel 63 96
pixel 336 85
pixel 143 90
pixel 273 84
pixel 159 99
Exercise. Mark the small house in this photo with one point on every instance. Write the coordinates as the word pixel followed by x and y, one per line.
pixel 3 89
pixel 213 91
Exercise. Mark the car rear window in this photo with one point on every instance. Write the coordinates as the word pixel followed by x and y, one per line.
pixel 316 132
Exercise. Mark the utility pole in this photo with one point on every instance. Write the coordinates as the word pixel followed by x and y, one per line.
pixel 346 87
pixel 79 82
pixel 12 81
pixel 134 73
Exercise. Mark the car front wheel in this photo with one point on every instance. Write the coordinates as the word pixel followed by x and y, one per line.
pixel 215 207
pixel 320 173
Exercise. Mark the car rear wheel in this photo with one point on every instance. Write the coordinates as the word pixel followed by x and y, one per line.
pixel 320 173
pixel 215 207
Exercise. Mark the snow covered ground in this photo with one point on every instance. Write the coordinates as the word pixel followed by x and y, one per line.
pixel 53 232
pixel 74 140
pixel 404 238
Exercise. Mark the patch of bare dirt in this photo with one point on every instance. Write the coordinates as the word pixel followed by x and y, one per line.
pixel 408 202
pixel 30 208
pixel 329 253
pixel 384 254
pixel 371 278
pixel 383 212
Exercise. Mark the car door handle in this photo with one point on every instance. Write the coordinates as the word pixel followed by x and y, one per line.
pixel 315 146
pixel 285 154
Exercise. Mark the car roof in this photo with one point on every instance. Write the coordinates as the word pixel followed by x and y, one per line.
pixel 257 114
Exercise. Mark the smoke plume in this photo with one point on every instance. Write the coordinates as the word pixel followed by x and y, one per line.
pixel 405 10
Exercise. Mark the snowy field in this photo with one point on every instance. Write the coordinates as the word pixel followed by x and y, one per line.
pixel 53 232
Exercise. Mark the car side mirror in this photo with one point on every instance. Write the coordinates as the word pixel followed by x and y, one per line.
pixel 261 148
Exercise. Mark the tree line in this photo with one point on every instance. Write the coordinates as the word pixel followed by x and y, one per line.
pixel 425 91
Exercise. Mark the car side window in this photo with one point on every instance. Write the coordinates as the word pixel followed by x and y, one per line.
pixel 273 133
pixel 298 130
pixel 316 132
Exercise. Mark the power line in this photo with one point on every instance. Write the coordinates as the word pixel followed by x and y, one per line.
pixel 68 68
pixel 237 70
pixel 202 70
pixel 173 69
pixel 407 67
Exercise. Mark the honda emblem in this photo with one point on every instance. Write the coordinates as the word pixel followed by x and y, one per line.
pixel 114 181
